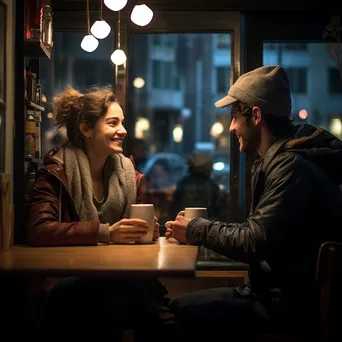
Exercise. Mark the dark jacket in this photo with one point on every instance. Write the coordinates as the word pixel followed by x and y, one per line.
pixel 296 205
pixel 44 229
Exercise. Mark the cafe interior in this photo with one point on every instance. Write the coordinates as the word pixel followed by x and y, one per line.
pixel 168 62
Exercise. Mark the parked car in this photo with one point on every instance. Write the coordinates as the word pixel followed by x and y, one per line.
pixel 164 169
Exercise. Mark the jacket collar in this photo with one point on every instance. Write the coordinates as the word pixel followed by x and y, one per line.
pixel 272 152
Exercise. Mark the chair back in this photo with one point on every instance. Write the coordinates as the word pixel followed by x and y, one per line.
pixel 329 285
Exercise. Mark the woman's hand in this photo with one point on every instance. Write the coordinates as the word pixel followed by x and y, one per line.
pixel 128 230
pixel 156 232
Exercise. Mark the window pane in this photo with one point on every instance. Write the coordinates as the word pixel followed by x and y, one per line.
pixel 174 114
pixel 316 82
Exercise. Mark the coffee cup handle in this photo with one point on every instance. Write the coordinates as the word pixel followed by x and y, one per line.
pixel 181 213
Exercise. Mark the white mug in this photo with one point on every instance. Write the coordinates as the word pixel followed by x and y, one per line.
pixel 193 212
pixel 144 212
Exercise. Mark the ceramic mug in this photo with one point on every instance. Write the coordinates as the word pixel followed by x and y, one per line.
pixel 144 212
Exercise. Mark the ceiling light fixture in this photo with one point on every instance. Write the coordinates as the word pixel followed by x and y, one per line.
pixel 100 29
pixel 115 5
pixel 89 43
pixel 118 57
pixel 141 15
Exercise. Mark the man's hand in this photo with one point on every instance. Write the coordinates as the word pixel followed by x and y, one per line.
pixel 176 229
pixel 156 232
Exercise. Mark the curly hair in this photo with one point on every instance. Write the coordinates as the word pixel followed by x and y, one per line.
pixel 72 108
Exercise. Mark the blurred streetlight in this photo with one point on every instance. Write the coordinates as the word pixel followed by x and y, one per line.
pixel 138 82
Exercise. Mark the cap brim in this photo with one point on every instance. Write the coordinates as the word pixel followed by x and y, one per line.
pixel 225 101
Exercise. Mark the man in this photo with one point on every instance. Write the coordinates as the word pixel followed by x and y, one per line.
pixel 296 205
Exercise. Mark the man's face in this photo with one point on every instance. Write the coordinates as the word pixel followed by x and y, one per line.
pixel 246 130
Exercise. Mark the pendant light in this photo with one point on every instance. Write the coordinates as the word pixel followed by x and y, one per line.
pixel 100 29
pixel 141 14
pixel 115 5
pixel 89 42
pixel 118 57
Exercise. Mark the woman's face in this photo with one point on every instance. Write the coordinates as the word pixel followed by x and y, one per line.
pixel 108 134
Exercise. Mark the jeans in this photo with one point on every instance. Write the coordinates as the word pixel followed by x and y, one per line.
pixel 213 313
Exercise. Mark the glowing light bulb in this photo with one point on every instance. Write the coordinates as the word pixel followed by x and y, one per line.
pixel 115 5
pixel 89 43
pixel 118 57
pixel 100 29
pixel 141 15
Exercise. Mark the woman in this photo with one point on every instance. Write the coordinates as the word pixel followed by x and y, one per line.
pixel 82 196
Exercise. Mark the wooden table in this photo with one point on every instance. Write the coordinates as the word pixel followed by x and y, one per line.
pixel 160 259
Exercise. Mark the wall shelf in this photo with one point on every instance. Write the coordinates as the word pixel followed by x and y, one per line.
pixel 35 48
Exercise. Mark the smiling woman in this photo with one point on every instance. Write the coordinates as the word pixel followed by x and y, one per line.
pixel 82 196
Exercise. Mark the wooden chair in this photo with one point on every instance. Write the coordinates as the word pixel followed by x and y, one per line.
pixel 329 299
pixel 329 282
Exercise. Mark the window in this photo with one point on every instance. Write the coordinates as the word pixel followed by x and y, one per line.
pixel 156 39
pixel 298 79
pixel 183 81
pixel 295 46
pixel 164 75
pixel 335 81
pixel 316 84
pixel 223 41
pixel 223 78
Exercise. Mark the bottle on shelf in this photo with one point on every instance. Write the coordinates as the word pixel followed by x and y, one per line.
pixel 38 92
pixel 30 134
pixel 38 140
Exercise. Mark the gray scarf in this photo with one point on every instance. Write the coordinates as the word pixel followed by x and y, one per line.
pixel 119 174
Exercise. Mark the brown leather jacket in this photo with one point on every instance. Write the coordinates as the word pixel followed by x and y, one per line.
pixel 44 229
pixel 50 225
